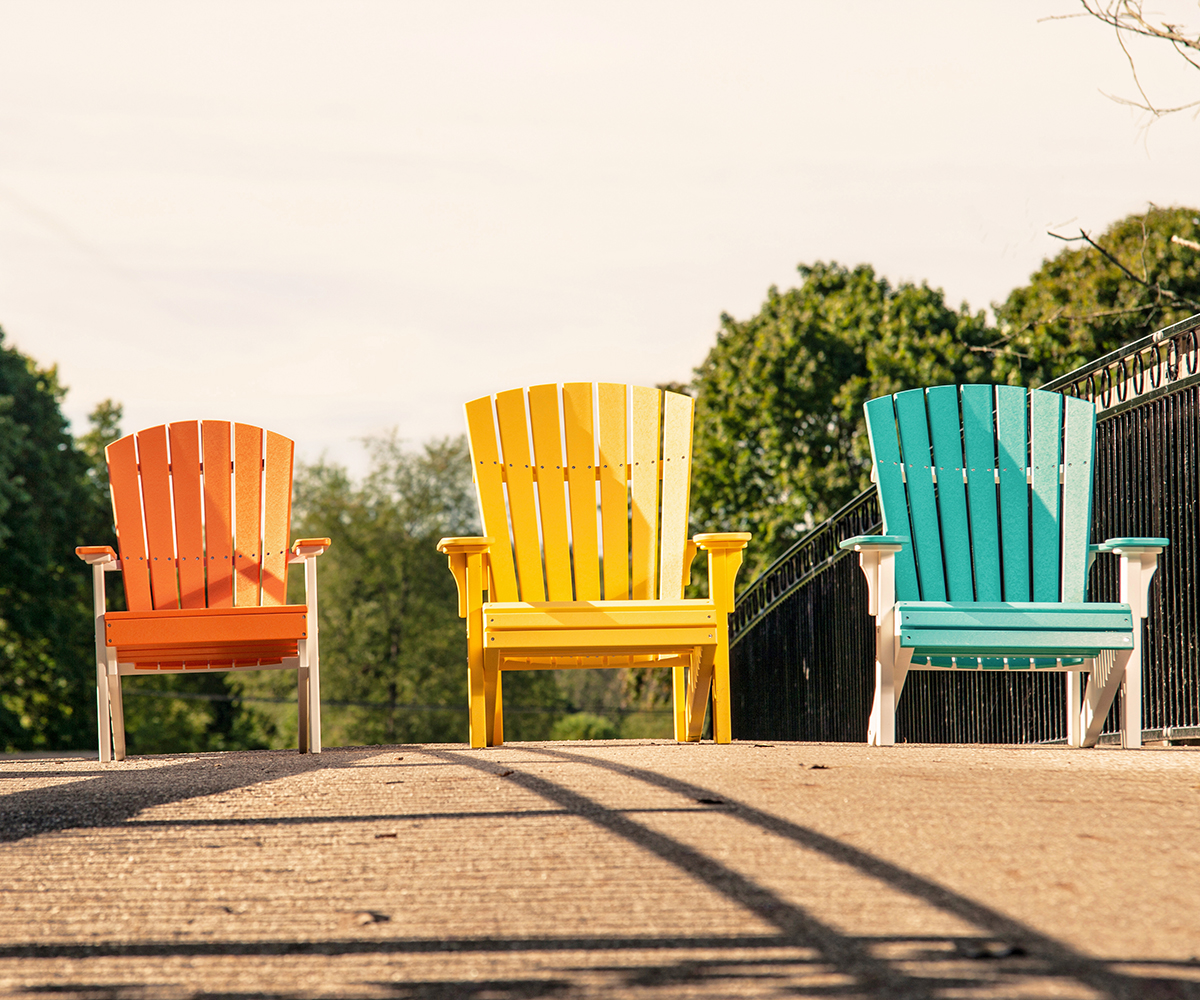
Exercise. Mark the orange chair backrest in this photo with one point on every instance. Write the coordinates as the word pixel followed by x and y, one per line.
pixel 620 441
pixel 202 511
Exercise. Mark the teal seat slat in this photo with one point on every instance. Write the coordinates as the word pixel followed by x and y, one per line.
pixel 998 643
pixel 922 503
pixel 1030 616
pixel 1079 453
pixel 893 499
pixel 1045 432
pixel 979 443
pixel 1012 452
pixel 945 428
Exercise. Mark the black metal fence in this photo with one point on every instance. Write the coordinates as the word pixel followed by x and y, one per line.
pixel 804 646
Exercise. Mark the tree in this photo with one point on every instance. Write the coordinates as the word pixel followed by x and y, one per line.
pixel 48 505
pixel 393 649
pixel 1141 274
pixel 1127 18
pixel 780 439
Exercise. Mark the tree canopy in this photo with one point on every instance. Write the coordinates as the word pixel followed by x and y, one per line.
pixel 48 505
pixel 1141 274
pixel 780 438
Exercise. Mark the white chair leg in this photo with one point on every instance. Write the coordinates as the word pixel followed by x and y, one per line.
pixel 302 727
pixel 314 703
pixel 1131 688
pixel 103 713
pixel 1074 696
pixel 117 711
pixel 883 713
pixel 1107 670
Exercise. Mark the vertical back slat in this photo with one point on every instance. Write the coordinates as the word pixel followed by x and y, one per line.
pixel 277 516
pixel 945 428
pixel 522 507
pixel 579 431
pixel 979 444
pixel 127 513
pixel 1079 448
pixel 1045 432
pixel 218 512
pixel 922 504
pixel 676 481
pixel 643 491
pixel 1012 451
pixel 552 499
pixel 485 463
pixel 184 438
pixel 247 541
pixel 160 528
pixel 614 490
pixel 893 493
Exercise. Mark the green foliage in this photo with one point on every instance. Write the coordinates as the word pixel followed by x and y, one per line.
pixel 1089 300
pixel 393 649
pixel 47 507
pixel 780 438
pixel 584 726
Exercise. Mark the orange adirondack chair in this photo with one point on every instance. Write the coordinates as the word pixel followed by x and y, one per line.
pixel 202 510
pixel 564 592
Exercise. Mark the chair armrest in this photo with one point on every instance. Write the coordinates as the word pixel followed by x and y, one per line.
pixel 307 548
pixel 877 558
pixel 467 545
pixel 724 550
pixel 1123 544
pixel 1139 561
pixel 722 541
pixel 98 555
pixel 459 552
pixel 874 543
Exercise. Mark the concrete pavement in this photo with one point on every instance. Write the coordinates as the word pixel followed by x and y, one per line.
pixel 607 869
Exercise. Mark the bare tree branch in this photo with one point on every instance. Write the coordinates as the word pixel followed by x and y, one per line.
pixel 1154 286
pixel 1127 17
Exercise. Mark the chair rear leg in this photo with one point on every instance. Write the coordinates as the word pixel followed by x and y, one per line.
pixel 699 687
pixel 491 699
pixel 117 709
pixel 1074 707
pixel 103 713
pixel 679 690
pixel 498 712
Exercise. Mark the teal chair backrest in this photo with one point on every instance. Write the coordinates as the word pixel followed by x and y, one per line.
pixel 993 484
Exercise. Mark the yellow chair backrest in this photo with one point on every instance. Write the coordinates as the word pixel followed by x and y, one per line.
pixel 540 456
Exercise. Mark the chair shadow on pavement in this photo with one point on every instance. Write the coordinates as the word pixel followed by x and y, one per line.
pixel 115 794
pixel 804 956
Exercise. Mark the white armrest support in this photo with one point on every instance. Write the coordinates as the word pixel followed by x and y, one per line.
pixel 877 557
pixel 1139 562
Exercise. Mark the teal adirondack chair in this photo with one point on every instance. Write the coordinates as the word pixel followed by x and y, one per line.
pixel 986 493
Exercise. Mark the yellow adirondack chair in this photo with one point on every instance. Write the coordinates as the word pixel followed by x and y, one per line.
pixel 565 592
pixel 202 510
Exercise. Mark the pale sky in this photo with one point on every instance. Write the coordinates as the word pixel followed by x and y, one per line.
pixel 333 218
